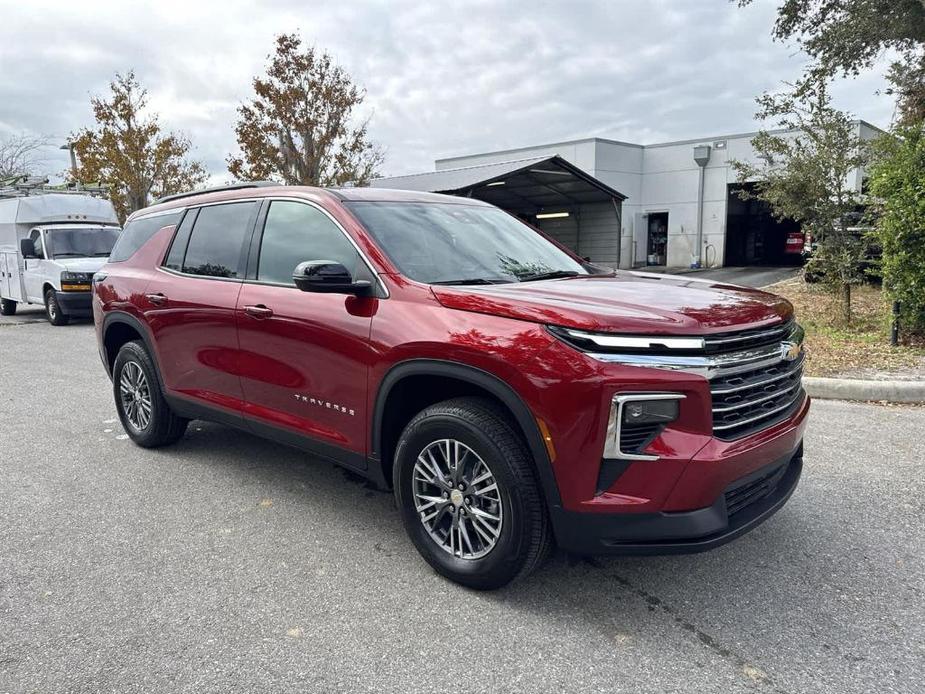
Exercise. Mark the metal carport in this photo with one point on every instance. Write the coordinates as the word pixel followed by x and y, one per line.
pixel 572 206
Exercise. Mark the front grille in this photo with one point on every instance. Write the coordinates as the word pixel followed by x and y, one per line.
pixel 746 402
pixel 748 339
pixel 753 491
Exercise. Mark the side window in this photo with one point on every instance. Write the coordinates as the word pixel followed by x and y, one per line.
pixel 180 240
pixel 295 232
pixel 137 232
pixel 216 240
pixel 36 238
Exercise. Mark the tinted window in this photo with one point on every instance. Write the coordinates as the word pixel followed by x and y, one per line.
pixel 180 240
pixel 214 248
pixel 294 233
pixel 81 242
pixel 137 232
pixel 445 242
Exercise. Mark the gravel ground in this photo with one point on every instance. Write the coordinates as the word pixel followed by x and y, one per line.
pixel 226 563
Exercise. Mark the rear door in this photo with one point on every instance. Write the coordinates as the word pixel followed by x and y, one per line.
pixel 190 302
pixel 304 355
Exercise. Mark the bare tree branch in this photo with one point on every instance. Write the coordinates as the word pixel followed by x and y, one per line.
pixel 20 154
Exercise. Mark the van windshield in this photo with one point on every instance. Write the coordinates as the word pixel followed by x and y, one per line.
pixel 446 243
pixel 87 242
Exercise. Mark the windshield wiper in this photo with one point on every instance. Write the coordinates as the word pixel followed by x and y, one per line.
pixel 555 274
pixel 471 280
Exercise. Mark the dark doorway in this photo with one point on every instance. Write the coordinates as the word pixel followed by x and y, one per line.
pixel 754 236
pixel 657 239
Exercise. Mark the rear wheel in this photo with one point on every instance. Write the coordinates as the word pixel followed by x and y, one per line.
pixel 53 310
pixel 468 494
pixel 7 307
pixel 145 414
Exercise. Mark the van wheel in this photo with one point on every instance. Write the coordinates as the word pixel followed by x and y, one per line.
pixel 53 310
pixel 468 495
pixel 7 307
pixel 145 414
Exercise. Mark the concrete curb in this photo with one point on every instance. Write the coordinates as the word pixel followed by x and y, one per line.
pixel 856 389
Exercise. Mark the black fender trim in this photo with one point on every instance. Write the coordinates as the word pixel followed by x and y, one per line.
pixel 477 377
pixel 114 317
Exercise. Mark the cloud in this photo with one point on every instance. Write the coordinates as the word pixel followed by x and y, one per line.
pixel 443 79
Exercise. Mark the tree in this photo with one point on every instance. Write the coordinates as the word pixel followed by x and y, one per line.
pixel 128 151
pixel 20 154
pixel 805 175
pixel 897 183
pixel 843 37
pixel 299 127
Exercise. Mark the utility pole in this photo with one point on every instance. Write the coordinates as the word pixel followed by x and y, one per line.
pixel 70 148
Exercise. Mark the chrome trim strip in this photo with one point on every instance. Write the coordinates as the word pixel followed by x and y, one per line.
pixel 709 366
pixel 615 423
pixel 749 420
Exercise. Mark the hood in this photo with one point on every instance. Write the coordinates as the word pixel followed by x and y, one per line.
pixel 625 302
pixel 81 264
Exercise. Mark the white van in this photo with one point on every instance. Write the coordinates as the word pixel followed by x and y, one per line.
pixel 50 246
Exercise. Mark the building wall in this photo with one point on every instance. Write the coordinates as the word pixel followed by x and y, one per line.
pixel 655 178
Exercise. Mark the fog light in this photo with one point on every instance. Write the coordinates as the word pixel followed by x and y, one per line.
pixel 650 412
pixel 637 410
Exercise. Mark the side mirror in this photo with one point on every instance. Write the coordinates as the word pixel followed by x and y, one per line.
pixel 27 247
pixel 328 277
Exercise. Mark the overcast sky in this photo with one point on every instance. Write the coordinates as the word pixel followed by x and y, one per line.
pixel 443 79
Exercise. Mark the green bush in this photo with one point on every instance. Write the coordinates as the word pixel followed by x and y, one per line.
pixel 897 180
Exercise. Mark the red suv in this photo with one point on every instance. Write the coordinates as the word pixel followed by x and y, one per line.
pixel 512 395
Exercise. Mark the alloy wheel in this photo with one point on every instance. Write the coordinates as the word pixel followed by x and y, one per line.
pixel 135 395
pixel 457 499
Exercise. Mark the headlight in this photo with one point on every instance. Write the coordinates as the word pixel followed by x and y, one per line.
pixel 76 281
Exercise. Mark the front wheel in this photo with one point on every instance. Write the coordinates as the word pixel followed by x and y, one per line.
pixel 145 414
pixel 53 310
pixel 7 307
pixel 468 494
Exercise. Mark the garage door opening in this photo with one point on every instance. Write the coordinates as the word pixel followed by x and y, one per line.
pixel 754 236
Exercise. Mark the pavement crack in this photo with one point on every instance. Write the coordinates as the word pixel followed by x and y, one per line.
pixel 656 604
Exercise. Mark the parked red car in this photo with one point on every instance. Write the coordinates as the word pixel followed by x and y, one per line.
pixel 512 395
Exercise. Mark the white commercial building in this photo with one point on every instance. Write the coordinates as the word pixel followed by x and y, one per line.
pixel 627 205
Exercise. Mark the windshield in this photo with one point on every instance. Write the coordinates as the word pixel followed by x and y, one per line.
pixel 87 242
pixel 445 243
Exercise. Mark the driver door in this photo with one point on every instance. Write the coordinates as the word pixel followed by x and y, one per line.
pixel 35 270
pixel 304 356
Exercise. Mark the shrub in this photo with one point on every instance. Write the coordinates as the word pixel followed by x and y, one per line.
pixel 897 180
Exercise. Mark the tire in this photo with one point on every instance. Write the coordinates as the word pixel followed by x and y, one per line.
pixel 7 307
pixel 53 310
pixel 521 531
pixel 152 426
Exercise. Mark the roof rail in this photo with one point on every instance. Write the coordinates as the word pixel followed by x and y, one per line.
pixel 216 189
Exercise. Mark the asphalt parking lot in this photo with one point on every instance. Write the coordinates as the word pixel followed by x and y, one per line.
pixel 226 563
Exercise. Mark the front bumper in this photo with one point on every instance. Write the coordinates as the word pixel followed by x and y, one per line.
pixel 752 500
pixel 77 304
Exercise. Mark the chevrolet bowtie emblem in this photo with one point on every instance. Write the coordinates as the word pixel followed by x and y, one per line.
pixel 790 351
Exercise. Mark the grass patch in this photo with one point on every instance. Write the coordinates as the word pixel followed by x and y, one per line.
pixel 864 346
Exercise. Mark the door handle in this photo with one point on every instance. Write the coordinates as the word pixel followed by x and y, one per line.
pixel 157 299
pixel 258 311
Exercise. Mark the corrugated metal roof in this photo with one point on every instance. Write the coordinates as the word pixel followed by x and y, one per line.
pixel 454 179
pixel 522 186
